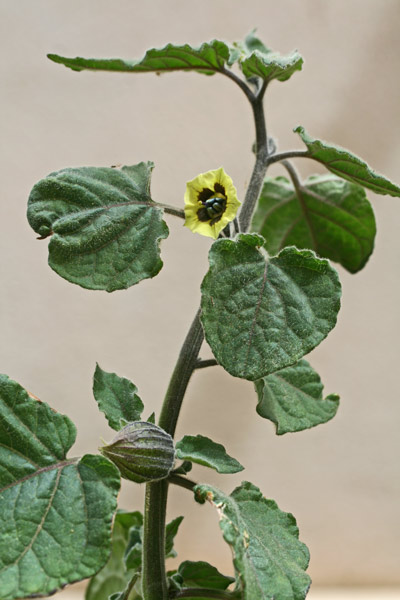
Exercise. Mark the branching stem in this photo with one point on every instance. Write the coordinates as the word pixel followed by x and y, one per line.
pixel 154 585
pixel 184 482
pixel 290 154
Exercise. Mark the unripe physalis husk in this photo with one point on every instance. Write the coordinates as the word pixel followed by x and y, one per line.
pixel 142 452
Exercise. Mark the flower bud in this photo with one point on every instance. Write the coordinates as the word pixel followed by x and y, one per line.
pixel 142 452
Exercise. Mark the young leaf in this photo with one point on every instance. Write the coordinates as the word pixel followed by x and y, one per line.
pixel 105 229
pixel 292 398
pixel 208 59
pixel 113 577
pixel 55 513
pixel 327 214
pixel 203 451
pixel 171 530
pixel 268 557
pixel 345 164
pixel 200 574
pixel 134 548
pixel 252 42
pixel 256 60
pixel 271 66
pixel 262 315
pixel 116 397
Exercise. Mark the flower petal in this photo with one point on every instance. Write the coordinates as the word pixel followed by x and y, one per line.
pixel 205 186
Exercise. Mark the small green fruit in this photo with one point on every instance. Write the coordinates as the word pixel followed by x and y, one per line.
pixel 142 452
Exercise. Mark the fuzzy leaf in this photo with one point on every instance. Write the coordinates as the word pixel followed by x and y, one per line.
pixel 292 399
pixel 268 557
pixel 116 397
pixel 208 59
pixel 105 229
pixel 345 164
pixel 271 66
pixel 256 60
pixel 113 577
pixel 328 214
pixel 171 530
pixel 200 574
pixel 262 315
pixel 203 451
pixel 55 513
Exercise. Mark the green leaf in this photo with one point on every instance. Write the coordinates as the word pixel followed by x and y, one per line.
pixel 113 577
pixel 116 397
pixel 32 435
pixel 55 513
pixel 134 548
pixel 292 399
pixel 203 451
pixel 105 229
pixel 171 530
pixel 208 59
pixel 152 418
pixel 262 315
pixel 257 60
pixel 268 557
pixel 326 213
pixel 253 42
pixel 345 164
pixel 201 574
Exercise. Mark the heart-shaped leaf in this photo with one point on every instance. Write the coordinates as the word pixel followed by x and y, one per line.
pixel 260 315
pixel 55 513
pixel 269 559
pixel 105 229
pixel 325 213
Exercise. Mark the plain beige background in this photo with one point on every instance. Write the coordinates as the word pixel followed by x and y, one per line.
pixel 341 480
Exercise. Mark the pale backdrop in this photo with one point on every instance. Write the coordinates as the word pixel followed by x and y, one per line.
pixel 341 480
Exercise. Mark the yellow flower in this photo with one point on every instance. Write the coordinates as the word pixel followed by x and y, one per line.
pixel 210 202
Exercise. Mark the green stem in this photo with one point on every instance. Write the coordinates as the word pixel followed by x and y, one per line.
pixel 260 167
pixel 177 212
pixel 154 584
pixel 154 581
pixel 188 484
pixel 206 362
pixel 130 586
pixel 186 364
pixel 290 154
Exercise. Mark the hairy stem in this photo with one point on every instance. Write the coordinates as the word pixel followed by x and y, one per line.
pixel 260 167
pixel 130 586
pixel 188 484
pixel 177 212
pixel 154 582
pixel 290 154
pixel 186 364
pixel 154 579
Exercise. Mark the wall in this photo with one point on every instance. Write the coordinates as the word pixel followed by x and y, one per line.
pixel 341 480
